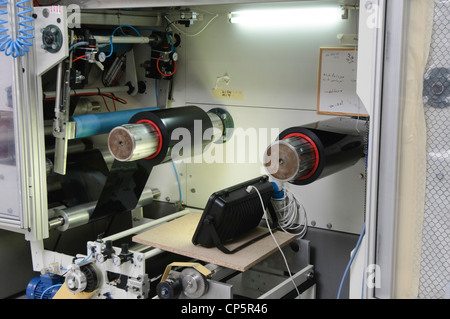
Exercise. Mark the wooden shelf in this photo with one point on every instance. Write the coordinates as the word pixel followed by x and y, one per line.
pixel 176 236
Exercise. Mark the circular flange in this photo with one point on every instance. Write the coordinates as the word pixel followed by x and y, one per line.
pixel 193 283
pixel 227 121
pixel 436 88
pixel 52 38
pixel 281 161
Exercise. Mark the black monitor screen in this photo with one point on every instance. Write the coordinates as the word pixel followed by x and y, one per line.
pixel 232 212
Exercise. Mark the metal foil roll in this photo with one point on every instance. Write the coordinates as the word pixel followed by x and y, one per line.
pixel 127 179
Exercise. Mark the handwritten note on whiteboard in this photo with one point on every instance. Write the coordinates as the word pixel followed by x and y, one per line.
pixel 337 83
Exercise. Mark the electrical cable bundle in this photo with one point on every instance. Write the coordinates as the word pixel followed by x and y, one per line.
pixel 273 237
pixel 289 212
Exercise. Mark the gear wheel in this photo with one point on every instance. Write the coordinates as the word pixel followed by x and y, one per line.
pixel 92 277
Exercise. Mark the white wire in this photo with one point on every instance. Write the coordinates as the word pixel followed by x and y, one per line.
pixel 188 34
pixel 289 211
pixel 274 239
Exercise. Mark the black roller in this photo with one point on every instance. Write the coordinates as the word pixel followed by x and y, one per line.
pixel 127 179
pixel 169 289
pixel 307 153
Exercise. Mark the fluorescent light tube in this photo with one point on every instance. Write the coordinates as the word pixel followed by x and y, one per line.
pixel 287 17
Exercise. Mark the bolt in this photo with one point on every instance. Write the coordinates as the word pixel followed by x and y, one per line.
pixel 329 225
pixel 313 223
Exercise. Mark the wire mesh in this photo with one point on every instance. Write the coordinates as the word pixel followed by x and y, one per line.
pixel 435 254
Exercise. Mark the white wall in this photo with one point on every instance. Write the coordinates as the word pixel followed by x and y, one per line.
pixel 276 72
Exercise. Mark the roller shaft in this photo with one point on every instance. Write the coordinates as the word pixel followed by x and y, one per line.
pixel 79 215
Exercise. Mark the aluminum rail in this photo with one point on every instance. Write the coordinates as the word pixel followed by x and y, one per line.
pixel 143 227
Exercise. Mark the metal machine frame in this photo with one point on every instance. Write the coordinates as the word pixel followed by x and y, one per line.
pixel 34 219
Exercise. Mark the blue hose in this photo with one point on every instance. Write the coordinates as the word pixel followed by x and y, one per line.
pixel 347 269
pixel 23 42
pixel 95 124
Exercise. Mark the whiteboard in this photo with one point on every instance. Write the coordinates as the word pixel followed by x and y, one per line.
pixel 337 83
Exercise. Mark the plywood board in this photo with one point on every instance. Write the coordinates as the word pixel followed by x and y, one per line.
pixel 176 236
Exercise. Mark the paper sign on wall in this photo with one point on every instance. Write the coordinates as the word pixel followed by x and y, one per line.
pixel 337 83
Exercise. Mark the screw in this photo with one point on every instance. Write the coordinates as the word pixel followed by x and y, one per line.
pixel 313 223
pixel 329 225
pixel 192 190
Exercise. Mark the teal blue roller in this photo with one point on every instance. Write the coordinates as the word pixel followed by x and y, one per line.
pixel 95 124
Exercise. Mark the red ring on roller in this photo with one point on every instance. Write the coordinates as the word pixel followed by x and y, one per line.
pixel 316 152
pixel 158 132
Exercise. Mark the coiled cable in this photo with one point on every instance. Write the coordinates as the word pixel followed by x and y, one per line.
pixel 289 211
pixel 23 41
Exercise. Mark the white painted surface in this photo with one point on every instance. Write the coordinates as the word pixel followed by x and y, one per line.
pixel 276 71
